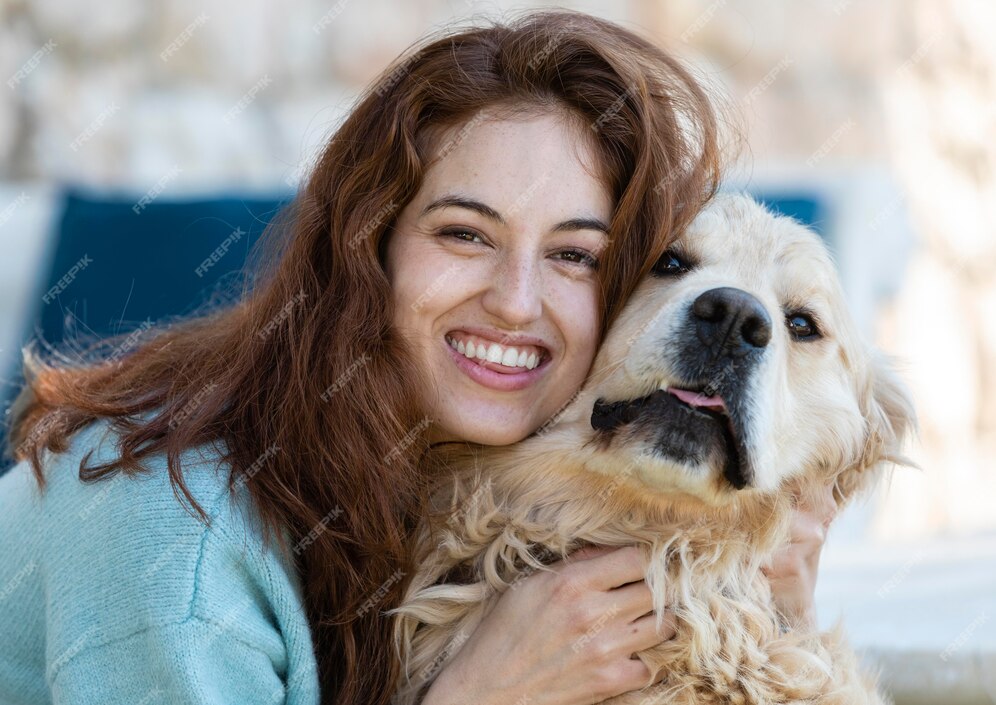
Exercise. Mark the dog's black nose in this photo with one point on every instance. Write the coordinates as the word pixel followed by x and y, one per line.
pixel 731 319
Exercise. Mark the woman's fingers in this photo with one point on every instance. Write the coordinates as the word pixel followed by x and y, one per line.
pixel 612 568
pixel 633 600
pixel 792 571
pixel 642 633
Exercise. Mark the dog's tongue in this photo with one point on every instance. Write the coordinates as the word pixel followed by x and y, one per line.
pixel 698 399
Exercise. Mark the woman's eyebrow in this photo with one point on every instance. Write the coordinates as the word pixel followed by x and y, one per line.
pixel 463 202
pixel 582 224
pixel 491 214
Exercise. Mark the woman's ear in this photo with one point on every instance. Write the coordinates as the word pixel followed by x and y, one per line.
pixel 890 419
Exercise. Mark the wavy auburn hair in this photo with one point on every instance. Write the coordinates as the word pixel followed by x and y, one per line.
pixel 314 315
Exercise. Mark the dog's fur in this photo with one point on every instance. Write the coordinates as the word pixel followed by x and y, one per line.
pixel 664 475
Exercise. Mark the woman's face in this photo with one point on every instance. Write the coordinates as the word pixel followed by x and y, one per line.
pixel 493 271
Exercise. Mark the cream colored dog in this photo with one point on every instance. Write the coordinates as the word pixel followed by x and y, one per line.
pixel 733 379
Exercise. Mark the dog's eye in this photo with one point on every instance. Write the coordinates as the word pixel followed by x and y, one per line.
pixel 802 326
pixel 670 264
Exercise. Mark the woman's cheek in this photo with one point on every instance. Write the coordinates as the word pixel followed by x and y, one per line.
pixel 576 302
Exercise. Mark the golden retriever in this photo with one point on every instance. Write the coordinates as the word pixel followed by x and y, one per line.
pixel 733 381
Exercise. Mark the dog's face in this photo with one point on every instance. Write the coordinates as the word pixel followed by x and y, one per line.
pixel 736 366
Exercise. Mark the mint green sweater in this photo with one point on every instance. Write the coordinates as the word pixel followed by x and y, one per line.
pixel 112 592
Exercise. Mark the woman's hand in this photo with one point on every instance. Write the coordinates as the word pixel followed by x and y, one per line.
pixel 560 637
pixel 792 571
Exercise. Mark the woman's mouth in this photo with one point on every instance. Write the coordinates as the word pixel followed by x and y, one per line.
pixel 494 365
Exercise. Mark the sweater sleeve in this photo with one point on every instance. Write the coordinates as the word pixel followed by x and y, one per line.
pixel 144 603
pixel 190 662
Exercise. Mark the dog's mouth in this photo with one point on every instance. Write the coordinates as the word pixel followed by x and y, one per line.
pixel 687 425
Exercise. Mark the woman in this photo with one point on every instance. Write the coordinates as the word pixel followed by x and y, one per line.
pixel 504 186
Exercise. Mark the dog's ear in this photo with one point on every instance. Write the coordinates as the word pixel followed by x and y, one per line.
pixel 890 419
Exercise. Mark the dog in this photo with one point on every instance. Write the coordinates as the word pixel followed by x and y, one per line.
pixel 732 384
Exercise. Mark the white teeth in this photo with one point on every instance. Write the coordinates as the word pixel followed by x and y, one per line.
pixel 507 356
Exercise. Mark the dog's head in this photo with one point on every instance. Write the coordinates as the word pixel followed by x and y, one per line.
pixel 736 367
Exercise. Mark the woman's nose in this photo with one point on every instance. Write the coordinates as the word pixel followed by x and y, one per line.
pixel 515 294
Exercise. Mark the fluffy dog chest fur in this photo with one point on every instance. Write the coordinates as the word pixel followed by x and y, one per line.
pixel 496 529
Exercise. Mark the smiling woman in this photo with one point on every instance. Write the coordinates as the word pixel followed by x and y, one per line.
pixel 446 273
pixel 513 254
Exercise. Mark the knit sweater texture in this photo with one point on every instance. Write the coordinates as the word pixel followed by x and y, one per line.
pixel 114 592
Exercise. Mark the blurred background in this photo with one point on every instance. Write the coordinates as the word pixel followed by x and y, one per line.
pixel 167 134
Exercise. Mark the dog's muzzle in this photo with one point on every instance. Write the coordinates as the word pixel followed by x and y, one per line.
pixel 709 366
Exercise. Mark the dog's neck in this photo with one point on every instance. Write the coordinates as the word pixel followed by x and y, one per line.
pixel 558 502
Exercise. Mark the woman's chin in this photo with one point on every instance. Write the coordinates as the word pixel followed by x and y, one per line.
pixel 489 431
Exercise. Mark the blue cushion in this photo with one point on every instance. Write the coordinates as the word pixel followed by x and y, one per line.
pixel 116 263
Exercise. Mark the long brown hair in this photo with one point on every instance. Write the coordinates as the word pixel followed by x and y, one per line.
pixel 304 377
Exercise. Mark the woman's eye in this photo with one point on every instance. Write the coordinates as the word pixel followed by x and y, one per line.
pixel 579 256
pixel 671 264
pixel 462 234
pixel 802 326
